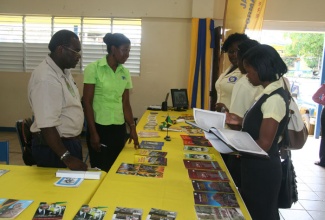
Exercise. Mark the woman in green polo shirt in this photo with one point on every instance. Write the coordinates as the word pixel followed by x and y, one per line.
pixel 106 103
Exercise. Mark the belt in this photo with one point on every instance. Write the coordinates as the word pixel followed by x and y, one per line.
pixel 71 138
pixel 39 136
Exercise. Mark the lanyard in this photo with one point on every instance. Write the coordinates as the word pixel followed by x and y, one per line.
pixel 70 88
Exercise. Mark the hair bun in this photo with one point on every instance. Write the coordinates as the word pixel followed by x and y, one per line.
pixel 107 38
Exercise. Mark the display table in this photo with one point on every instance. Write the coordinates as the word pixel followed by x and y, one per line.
pixel 37 184
pixel 173 192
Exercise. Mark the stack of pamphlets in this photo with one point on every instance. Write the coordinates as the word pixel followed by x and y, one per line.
pixel 95 175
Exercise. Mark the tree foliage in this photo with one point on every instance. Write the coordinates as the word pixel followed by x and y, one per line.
pixel 307 45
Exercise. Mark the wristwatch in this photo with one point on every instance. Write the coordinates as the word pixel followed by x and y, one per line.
pixel 65 155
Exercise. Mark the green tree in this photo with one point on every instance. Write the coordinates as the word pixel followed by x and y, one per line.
pixel 307 45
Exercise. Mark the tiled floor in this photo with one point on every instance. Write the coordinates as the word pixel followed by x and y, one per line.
pixel 311 178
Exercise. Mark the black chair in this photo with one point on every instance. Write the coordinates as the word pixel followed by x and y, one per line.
pixel 25 140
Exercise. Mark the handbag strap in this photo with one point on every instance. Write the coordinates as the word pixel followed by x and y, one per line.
pixel 284 152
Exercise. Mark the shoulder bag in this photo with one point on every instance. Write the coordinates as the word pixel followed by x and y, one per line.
pixel 296 135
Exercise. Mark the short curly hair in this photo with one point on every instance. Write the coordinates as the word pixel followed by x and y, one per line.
pixel 62 37
pixel 236 37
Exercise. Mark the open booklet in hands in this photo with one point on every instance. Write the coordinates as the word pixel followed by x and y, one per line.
pixel 224 140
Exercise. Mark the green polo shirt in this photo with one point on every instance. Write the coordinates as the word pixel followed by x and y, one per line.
pixel 109 88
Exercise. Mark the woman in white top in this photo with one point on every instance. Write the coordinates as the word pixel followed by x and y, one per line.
pixel 243 96
pixel 227 80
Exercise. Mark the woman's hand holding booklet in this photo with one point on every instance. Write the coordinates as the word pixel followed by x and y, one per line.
pixel 224 140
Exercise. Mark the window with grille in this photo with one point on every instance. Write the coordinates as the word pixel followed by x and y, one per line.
pixel 24 39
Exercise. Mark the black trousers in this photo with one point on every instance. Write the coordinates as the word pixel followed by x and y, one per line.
pixel 113 136
pixel 322 142
pixel 45 156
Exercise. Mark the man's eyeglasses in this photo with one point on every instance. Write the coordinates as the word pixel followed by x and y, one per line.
pixel 68 48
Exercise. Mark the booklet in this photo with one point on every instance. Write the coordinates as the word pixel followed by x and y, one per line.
pixel 159 214
pixel 148 134
pixel 191 130
pixel 86 212
pixel 150 160
pixel 185 117
pixel 69 182
pixel 128 169
pixel 51 211
pixel 215 199
pixel 11 208
pixel 127 213
pixel 151 171
pixel 141 170
pixel 153 145
pixel 208 175
pixel 218 213
pixel 197 141
pixel 151 153
pixel 197 149
pixel 199 156
pixel 225 140
pixel 201 165
pixel 212 186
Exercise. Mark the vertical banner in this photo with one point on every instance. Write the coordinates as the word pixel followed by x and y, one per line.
pixel 254 24
pixel 200 62
pixel 194 39
pixel 241 15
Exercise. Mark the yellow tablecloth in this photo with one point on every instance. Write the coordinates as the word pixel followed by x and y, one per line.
pixel 37 184
pixel 173 192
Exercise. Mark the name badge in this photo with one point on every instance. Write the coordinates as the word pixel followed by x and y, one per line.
pixel 232 79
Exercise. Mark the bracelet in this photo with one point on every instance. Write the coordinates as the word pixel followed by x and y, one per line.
pixel 65 155
pixel 131 125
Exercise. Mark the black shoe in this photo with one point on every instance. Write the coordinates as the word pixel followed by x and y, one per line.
pixel 319 164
